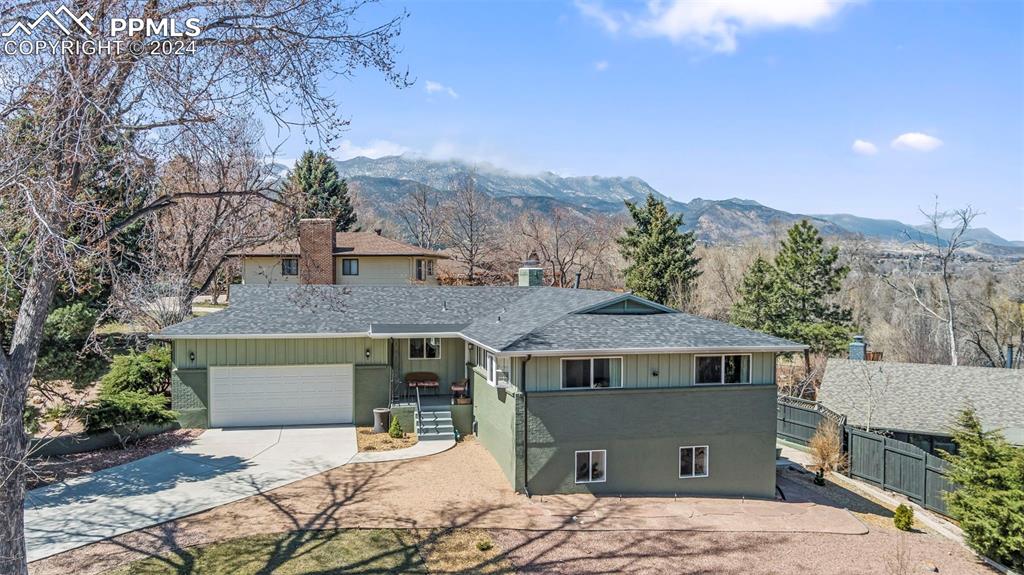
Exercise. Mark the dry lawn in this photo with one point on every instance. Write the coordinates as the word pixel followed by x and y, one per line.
pixel 370 441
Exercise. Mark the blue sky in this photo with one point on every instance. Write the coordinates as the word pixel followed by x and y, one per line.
pixel 761 101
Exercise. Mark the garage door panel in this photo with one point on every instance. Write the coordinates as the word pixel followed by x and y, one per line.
pixel 281 395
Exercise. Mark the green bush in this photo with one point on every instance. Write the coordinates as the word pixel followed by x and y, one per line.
pixel 64 353
pixel 395 430
pixel 149 371
pixel 125 412
pixel 989 499
pixel 484 545
pixel 903 518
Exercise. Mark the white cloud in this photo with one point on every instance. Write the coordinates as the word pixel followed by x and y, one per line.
pixel 375 149
pixel 596 12
pixel 433 87
pixel 713 24
pixel 916 141
pixel 601 65
pixel 864 148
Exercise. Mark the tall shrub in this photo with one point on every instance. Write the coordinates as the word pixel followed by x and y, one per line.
pixel 149 371
pixel 989 499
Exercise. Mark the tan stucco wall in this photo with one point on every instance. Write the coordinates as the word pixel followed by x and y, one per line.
pixel 381 270
pixel 263 270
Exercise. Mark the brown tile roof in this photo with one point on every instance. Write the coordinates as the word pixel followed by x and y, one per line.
pixel 347 243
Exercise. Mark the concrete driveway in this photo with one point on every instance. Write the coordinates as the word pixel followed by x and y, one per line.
pixel 221 466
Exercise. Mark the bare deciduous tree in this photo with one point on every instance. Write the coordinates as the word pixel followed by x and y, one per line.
pixel 422 214
pixel 942 249
pixel 82 136
pixel 469 225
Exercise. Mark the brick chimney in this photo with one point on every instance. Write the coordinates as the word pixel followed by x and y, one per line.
pixel 316 251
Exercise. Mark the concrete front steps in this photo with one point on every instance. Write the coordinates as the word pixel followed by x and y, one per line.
pixel 436 423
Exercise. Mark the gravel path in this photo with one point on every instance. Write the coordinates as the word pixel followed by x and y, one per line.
pixel 463 487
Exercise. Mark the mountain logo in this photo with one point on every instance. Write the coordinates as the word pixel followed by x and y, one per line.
pixel 55 17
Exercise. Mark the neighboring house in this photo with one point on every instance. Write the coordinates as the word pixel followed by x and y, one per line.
pixel 919 403
pixel 572 390
pixel 322 256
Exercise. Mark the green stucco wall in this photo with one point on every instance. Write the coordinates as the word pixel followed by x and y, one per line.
pixel 496 412
pixel 642 431
pixel 190 384
pixel 673 369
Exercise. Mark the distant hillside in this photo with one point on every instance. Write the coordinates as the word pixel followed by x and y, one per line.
pixel 387 180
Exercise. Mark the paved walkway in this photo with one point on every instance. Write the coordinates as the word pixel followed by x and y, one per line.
pixel 221 466
pixel 421 448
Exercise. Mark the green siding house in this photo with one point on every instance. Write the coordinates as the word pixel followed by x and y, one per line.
pixel 570 390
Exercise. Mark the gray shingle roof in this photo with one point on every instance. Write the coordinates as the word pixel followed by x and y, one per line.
pixel 512 319
pixel 924 398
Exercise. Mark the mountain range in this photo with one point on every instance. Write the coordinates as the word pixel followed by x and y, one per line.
pixel 385 181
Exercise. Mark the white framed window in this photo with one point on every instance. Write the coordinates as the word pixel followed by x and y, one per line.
pixel 721 369
pixel 491 368
pixel 430 268
pixel 591 372
pixel 591 466
pixel 422 269
pixel 693 461
pixel 349 267
pixel 425 348
pixel 290 266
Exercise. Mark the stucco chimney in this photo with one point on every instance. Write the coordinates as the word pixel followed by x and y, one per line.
pixel 531 274
pixel 316 251
pixel 858 348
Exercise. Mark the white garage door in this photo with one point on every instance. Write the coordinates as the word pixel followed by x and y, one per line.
pixel 280 395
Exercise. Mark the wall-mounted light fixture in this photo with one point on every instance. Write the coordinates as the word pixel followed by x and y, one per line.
pixel 654 372
pixel 367 353
pixel 471 347
pixel 191 356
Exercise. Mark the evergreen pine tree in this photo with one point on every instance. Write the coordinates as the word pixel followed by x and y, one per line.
pixel 662 266
pixel 808 279
pixel 794 296
pixel 758 305
pixel 322 191
pixel 989 499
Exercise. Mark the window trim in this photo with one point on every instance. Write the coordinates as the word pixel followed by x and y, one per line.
pixel 561 371
pixel 590 453
pixel 707 461
pixel 424 358
pixel 343 260
pixel 288 275
pixel 491 368
pixel 750 371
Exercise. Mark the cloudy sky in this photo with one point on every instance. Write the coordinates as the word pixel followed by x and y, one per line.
pixel 870 108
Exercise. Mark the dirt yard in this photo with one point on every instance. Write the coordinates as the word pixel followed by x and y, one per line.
pixel 370 441
pixel 44 471
pixel 464 488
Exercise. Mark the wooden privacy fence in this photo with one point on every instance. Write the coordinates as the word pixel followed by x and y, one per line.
pixel 891 464
pixel 797 419
pixel 899 466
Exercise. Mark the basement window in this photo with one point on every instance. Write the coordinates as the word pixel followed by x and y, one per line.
pixel 693 462
pixel 591 466
pixel 721 369
pixel 424 348
pixel 591 372
pixel 290 266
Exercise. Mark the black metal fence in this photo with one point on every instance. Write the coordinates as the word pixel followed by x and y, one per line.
pixel 889 463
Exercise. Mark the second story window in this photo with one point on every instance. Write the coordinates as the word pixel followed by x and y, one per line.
pixel 592 372
pixel 721 369
pixel 421 270
pixel 349 267
pixel 290 266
